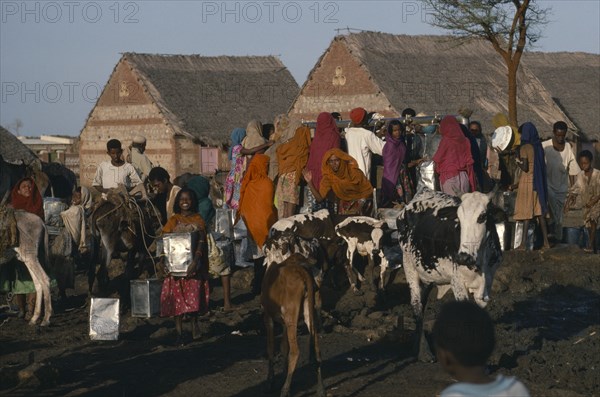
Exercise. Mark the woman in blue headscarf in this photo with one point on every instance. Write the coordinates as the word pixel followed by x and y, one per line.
pixel 238 156
pixel 532 190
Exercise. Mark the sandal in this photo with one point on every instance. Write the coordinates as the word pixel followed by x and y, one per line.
pixel 588 250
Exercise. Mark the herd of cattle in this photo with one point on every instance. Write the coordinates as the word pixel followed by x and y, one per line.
pixel 446 241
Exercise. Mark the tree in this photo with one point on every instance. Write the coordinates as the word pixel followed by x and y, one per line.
pixel 509 25
pixel 16 125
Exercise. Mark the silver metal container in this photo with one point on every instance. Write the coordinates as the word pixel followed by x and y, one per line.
pixel 145 297
pixel 52 208
pixel 520 233
pixel 226 246
pixel 178 251
pixel 239 230
pixel 427 174
pixel 104 319
pixel 224 221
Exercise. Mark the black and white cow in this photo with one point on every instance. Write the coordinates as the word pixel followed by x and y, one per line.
pixel 367 237
pixel 281 246
pixel 319 225
pixel 450 242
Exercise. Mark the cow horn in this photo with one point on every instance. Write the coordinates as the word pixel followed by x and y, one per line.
pixel 493 192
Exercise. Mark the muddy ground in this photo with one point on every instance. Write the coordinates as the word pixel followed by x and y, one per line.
pixel 546 307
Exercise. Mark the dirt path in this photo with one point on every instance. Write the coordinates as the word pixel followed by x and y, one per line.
pixel 546 307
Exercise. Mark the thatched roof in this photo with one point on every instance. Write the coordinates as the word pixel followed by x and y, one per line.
pixel 14 151
pixel 204 98
pixel 573 79
pixel 434 74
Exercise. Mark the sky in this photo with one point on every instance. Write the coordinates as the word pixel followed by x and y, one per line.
pixel 56 56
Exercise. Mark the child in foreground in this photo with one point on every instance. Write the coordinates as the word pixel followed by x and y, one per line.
pixel 464 339
pixel 188 294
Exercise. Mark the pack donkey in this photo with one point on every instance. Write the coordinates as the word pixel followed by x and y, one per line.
pixel 121 225
pixel 31 237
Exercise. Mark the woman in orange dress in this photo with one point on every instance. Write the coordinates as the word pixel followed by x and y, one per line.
pixel 343 183
pixel 257 211
pixel 188 294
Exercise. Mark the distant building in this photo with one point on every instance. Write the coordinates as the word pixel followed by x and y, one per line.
pixel 387 73
pixel 185 105
pixel 55 149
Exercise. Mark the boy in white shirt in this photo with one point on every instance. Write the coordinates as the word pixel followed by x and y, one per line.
pixel 111 174
pixel 362 142
pixel 464 339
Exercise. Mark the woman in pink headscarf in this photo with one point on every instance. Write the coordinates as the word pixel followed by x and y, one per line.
pixel 453 160
pixel 326 137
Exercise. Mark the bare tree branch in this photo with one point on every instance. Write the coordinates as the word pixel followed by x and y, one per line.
pixel 501 22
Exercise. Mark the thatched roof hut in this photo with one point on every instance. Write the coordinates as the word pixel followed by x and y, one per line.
pixel 207 97
pixel 14 151
pixel 182 104
pixel 573 80
pixel 433 74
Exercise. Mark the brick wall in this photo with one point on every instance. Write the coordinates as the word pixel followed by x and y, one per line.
pixel 123 111
pixel 339 84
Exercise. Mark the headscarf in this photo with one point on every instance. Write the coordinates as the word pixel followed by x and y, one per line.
pixel 33 204
pixel 475 155
pixel 254 136
pixel 256 199
pixel 326 137
pixel 529 134
pixel 201 186
pixel 500 120
pixel 293 154
pixel 393 155
pixel 357 115
pixel 348 183
pixel 285 128
pixel 454 152
pixel 237 136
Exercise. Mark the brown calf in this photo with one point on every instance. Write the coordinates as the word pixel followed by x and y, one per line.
pixel 287 288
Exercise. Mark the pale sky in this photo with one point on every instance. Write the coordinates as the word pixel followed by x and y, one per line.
pixel 56 56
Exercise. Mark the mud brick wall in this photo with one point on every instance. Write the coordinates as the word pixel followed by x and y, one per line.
pixel 339 84
pixel 123 111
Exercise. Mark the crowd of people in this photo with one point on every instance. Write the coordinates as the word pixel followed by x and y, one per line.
pixel 278 168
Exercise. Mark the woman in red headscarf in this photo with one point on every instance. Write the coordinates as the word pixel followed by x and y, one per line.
pixel 343 183
pixel 453 160
pixel 326 137
pixel 24 196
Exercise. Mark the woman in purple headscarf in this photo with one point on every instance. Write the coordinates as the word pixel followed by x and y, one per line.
pixel 532 190
pixel 396 185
